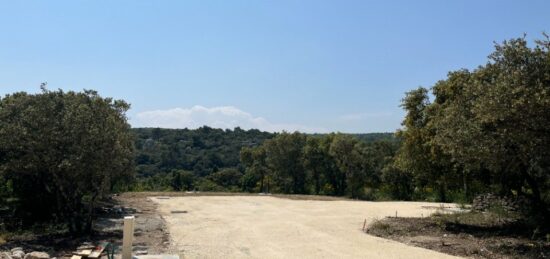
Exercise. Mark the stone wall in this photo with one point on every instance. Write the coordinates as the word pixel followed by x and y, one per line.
pixel 486 201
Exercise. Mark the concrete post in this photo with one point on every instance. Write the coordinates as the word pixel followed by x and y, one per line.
pixel 128 237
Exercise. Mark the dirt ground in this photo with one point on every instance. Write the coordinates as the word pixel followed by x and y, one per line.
pixel 150 230
pixel 271 227
pixel 479 238
pixel 150 234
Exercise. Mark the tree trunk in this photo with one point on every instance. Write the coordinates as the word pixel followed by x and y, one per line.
pixel 262 183
pixel 533 184
pixel 465 183
pixel 317 184
pixel 443 189
pixel 89 219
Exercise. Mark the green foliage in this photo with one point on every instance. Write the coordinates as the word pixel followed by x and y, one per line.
pixel 333 164
pixel 206 185
pixel 318 163
pixel 348 154
pixel 201 151
pixel 284 157
pixel 70 148
pixel 254 160
pixel 229 178
pixel 398 182
pixel 485 129
pixel 298 163
pixel 496 117
pixel 182 180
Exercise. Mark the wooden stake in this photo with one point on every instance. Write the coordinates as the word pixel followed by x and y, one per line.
pixel 128 237
pixel 364 224
pixel 396 213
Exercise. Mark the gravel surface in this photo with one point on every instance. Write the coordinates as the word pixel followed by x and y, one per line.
pixel 270 227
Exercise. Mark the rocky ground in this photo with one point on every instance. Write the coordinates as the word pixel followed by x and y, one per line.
pixel 19 253
pixel 150 235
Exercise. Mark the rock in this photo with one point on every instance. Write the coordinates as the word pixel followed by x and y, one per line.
pixel 485 202
pixel 18 254
pixel 141 252
pixel 16 249
pixel 5 255
pixel 37 255
pixel 137 248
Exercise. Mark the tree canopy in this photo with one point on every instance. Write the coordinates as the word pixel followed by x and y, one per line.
pixel 488 127
pixel 61 151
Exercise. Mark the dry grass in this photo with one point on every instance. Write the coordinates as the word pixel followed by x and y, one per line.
pixel 493 234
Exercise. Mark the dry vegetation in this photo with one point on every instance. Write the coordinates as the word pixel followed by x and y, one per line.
pixel 491 234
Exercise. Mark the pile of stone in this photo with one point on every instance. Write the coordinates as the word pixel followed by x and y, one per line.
pixel 18 253
pixel 115 210
pixel 485 202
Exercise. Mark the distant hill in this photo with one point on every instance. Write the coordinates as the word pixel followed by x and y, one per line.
pixel 373 137
pixel 201 150
pixel 204 150
pixel 370 137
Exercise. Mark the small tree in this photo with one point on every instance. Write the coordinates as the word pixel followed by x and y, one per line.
pixel 399 182
pixel 254 159
pixel 351 160
pixel 315 161
pixel 284 156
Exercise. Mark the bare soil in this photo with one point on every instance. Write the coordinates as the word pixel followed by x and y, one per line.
pixel 475 235
pixel 151 233
pixel 270 227
pixel 234 225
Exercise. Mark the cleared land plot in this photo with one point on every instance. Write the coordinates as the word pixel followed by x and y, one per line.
pixel 269 227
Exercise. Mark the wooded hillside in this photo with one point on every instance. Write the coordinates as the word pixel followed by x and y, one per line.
pixel 164 156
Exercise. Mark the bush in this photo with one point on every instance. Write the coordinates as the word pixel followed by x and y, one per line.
pixel 205 185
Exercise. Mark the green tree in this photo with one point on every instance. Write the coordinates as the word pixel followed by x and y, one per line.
pixel 285 159
pixel 399 182
pixel 316 161
pixel 70 148
pixel 349 156
pixel 336 179
pixel 182 180
pixel 257 171
pixel 497 117
pixel 229 178
pixel 418 155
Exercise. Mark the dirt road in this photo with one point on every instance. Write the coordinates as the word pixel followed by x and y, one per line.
pixel 269 227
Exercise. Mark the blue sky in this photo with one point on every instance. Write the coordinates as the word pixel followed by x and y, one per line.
pixel 314 66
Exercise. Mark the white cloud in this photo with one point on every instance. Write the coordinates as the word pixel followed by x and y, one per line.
pixel 225 117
